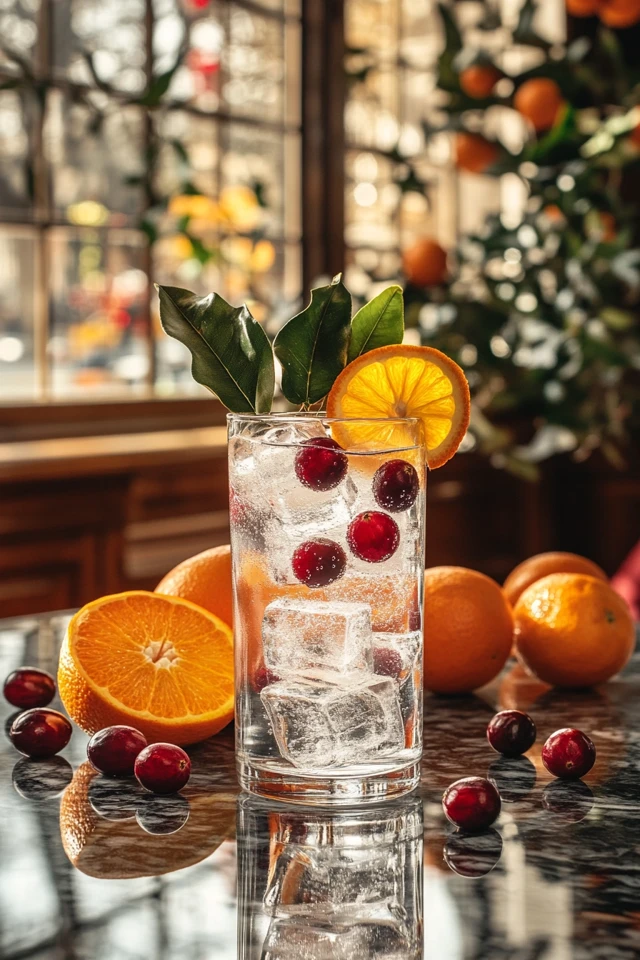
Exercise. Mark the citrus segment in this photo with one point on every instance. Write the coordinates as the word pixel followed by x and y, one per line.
pixel 397 382
pixel 160 664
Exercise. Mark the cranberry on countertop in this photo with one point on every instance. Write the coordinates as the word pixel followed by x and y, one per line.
pixel 163 768
pixel 40 733
pixel 29 687
pixel 569 754
pixel 321 464
pixel 511 733
pixel 472 803
pixel 373 536
pixel 396 485
pixel 113 751
pixel 317 563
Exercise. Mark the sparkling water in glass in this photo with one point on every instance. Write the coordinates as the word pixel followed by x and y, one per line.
pixel 328 884
pixel 328 567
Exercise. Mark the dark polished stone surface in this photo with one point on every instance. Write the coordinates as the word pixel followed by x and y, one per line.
pixel 94 869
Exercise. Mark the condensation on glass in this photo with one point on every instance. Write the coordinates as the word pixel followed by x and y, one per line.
pixel 100 195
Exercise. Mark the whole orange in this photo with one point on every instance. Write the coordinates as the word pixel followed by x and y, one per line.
pixel 468 629
pixel 474 153
pixel 204 579
pixel 425 263
pixel 479 80
pixel 573 630
pixel 541 565
pixel 538 100
pixel 619 14
pixel 582 8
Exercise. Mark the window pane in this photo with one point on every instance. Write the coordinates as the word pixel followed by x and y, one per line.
pixel 197 80
pixel 254 158
pixel 93 154
pixel 182 135
pixel 18 282
pixel 18 31
pixel 98 309
pixel 253 65
pixel 16 179
pixel 109 33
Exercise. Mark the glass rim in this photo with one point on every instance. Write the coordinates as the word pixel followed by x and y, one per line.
pixel 320 416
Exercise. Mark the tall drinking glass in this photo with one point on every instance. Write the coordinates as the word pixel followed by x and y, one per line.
pixel 327 539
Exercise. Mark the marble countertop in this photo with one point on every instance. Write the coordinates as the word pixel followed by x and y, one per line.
pixel 93 870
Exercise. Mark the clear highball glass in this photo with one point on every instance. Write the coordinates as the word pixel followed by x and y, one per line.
pixel 327 539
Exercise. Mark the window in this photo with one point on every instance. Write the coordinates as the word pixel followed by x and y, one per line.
pixel 140 141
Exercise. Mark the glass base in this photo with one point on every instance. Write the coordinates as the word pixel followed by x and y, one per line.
pixel 328 792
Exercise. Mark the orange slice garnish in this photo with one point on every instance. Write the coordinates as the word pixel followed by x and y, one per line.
pixel 158 663
pixel 402 381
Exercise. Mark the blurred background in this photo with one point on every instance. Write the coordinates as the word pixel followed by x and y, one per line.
pixel 486 155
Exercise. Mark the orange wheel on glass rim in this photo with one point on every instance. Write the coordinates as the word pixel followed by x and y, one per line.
pixel 403 381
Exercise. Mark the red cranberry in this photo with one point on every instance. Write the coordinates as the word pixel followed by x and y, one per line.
pixel 43 780
pixel 568 754
pixel 262 678
pixel 570 801
pixel 162 815
pixel 28 687
pixel 320 464
pixel 373 536
pixel 40 733
pixel 515 777
pixel 387 662
pixel 472 803
pixel 511 733
pixel 396 485
pixel 113 751
pixel 163 768
pixel 319 562
pixel 473 856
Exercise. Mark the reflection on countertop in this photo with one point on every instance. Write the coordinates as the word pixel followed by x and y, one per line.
pixel 95 870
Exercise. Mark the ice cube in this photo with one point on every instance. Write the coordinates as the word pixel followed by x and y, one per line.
pixel 326 723
pixel 405 647
pixel 316 938
pixel 299 635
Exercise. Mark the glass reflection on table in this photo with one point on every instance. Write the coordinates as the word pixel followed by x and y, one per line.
pixel 323 884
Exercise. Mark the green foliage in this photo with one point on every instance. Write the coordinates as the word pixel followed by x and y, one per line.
pixel 378 323
pixel 543 314
pixel 231 353
pixel 312 346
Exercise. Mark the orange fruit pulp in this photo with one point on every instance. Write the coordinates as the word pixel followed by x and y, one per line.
pixel 160 664
pixel 401 381
pixel 573 630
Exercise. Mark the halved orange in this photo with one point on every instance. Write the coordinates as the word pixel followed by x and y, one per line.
pixel 402 381
pixel 158 663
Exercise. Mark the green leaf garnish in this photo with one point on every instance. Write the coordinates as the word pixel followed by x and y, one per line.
pixel 378 323
pixel 231 353
pixel 312 346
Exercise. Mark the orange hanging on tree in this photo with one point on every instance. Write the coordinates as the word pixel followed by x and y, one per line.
pixel 474 153
pixel 425 263
pixel 583 8
pixel 479 80
pixel 619 14
pixel 538 100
